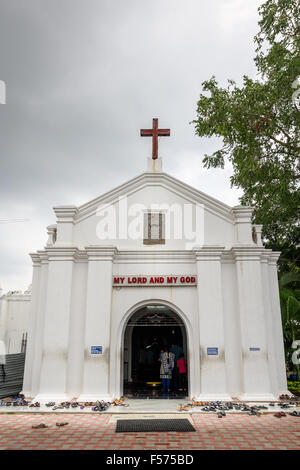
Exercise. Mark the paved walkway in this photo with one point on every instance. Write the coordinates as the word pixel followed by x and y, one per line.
pixel 97 431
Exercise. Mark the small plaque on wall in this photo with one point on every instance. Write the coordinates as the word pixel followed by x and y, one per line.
pixel 254 349
pixel 212 351
pixel 96 349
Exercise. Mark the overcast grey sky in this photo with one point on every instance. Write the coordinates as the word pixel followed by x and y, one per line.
pixel 82 77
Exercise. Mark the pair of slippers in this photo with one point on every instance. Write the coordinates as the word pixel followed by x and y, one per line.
pixel 43 425
pixel 280 414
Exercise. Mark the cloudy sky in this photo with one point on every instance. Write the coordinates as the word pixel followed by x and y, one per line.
pixel 82 77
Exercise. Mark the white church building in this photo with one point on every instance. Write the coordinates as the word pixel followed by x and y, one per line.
pixel 150 259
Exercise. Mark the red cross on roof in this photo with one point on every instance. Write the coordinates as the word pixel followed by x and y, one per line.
pixel 154 133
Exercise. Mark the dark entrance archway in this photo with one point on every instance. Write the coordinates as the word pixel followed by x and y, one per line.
pixel 148 331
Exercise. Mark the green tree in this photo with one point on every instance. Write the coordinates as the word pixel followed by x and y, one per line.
pixel 289 290
pixel 259 124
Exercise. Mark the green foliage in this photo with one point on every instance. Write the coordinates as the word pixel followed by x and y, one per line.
pixel 294 387
pixel 259 124
pixel 289 260
pixel 289 291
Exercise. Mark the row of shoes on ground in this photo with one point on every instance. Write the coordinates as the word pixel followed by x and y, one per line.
pixel 14 403
pixel 91 404
pixel 96 406
pixel 64 405
pixel 228 406
pixel 19 403
pixel 220 406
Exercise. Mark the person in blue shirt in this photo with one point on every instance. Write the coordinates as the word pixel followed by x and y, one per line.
pixel 166 367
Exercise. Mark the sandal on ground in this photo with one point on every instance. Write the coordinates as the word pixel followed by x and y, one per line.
pixel 284 397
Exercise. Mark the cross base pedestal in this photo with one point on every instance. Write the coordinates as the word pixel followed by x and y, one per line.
pixel 154 166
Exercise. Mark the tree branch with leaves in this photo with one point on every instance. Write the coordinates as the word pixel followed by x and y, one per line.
pixel 259 124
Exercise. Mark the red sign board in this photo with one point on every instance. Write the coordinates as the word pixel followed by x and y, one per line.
pixel 150 281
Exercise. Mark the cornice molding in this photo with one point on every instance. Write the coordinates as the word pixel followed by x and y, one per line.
pixel 265 256
pixel 36 260
pixel 58 253
pixel 247 253
pixel 63 253
pixel 17 297
pixel 273 258
pixel 65 214
pixel 111 253
pixel 209 252
pixel 101 253
pixel 43 256
pixel 242 214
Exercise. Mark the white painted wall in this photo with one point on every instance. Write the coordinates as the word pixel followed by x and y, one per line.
pixel 14 320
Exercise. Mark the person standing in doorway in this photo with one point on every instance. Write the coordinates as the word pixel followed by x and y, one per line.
pixel 166 367
pixel 177 351
pixel 181 367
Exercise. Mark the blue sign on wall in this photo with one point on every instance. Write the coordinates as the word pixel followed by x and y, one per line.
pixel 212 351
pixel 254 349
pixel 96 349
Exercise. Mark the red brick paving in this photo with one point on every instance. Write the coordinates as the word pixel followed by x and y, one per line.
pixel 96 432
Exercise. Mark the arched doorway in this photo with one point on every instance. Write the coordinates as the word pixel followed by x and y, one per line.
pixel 148 330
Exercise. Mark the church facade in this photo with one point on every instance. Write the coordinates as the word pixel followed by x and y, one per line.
pixel 154 253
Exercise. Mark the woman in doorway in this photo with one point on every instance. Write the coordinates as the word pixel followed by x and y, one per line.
pixel 166 366
pixel 181 364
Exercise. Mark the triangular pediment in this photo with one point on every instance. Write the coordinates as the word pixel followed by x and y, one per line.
pixel 163 180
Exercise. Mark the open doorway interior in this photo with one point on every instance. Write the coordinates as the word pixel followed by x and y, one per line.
pixel 148 331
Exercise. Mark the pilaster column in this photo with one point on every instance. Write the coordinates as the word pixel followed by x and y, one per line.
pixel 255 366
pixel 277 323
pixel 270 327
pixel 211 323
pixel 77 325
pixel 40 320
pixel 53 377
pixel 98 323
pixel 29 359
pixel 233 350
